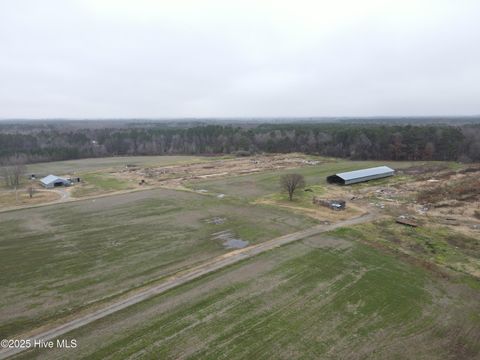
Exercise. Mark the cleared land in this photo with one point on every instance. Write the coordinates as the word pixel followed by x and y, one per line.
pixel 375 290
pixel 180 279
pixel 98 177
pixel 245 177
pixel 88 165
pixel 265 183
pixel 59 259
pixel 319 298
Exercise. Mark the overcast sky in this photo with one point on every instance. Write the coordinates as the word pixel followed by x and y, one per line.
pixel 207 58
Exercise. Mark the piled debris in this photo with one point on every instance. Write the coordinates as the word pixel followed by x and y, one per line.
pixel 331 204
pixel 388 194
pixel 174 175
pixel 407 220
pixel 216 220
pixel 311 162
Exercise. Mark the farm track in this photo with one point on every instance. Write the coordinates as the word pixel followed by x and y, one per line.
pixel 182 278
pixel 67 198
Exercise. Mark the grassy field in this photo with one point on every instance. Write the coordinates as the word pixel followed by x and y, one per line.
pixel 302 203
pixel 89 165
pixel 99 183
pixel 365 292
pixel 57 259
pixel 436 244
pixel 94 174
pixel 9 199
pixel 321 298
pixel 301 197
pixel 258 185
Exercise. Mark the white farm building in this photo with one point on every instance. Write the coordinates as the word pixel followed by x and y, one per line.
pixel 357 176
pixel 52 181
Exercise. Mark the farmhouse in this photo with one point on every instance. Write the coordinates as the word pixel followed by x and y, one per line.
pixel 357 176
pixel 52 181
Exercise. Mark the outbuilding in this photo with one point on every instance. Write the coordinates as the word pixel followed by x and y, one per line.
pixel 52 181
pixel 353 177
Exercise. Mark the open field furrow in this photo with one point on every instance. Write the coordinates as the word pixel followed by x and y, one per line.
pixel 189 275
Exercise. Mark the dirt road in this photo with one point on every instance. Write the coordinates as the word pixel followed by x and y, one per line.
pixel 182 278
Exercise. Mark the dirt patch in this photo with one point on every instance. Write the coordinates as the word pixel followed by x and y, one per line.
pixel 463 188
pixel 176 175
pixel 434 194
pixel 423 169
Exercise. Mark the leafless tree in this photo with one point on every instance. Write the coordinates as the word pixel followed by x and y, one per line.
pixel 12 170
pixel 30 191
pixel 291 182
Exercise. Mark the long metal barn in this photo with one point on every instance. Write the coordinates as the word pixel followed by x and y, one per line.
pixel 353 177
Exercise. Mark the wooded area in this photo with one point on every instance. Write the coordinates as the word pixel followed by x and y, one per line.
pixel 35 143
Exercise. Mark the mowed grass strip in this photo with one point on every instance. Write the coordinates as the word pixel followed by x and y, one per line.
pixel 302 301
pixel 58 259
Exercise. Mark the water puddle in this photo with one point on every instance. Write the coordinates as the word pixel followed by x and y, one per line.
pixel 229 241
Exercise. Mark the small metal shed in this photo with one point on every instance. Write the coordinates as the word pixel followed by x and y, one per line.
pixel 331 204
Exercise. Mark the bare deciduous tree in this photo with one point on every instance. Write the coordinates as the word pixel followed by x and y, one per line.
pixel 291 182
pixel 30 191
pixel 12 170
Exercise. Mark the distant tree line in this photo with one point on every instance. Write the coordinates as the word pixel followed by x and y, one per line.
pixel 354 141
